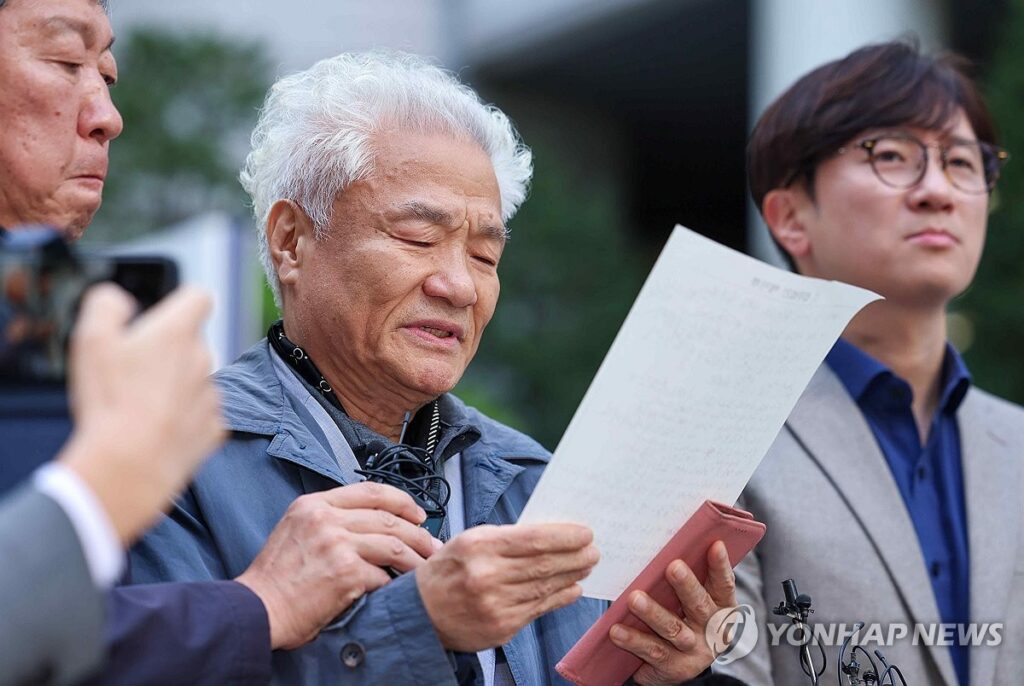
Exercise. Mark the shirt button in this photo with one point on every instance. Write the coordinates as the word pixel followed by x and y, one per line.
pixel 936 569
pixel 922 473
pixel 352 655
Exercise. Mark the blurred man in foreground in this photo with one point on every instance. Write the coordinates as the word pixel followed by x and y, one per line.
pixel 892 495
pixel 138 387
pixel 382 188
pixel 132 450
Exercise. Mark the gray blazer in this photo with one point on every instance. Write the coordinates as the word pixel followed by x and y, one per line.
pixel 838 525
pixel 51 614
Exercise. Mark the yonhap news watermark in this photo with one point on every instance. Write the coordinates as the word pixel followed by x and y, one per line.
pixel 881 635
pixel 732 633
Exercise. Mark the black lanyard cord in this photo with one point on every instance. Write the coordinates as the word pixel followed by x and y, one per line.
pixel 409 468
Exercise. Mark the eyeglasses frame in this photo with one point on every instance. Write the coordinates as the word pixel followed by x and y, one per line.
pixel 994 158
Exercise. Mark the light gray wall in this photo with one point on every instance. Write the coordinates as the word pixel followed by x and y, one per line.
pixel 299 32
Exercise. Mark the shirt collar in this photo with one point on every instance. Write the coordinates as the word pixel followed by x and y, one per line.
pixel 855 368
pixel 859 371
pixel 956 380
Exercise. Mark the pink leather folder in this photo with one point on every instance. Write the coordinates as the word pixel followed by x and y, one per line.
pixel 594 660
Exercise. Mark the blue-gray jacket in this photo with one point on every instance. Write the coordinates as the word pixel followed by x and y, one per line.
pixel 275 454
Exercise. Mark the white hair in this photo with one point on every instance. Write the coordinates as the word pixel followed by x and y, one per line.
pixel 313 137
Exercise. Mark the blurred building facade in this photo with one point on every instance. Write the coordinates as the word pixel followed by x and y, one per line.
pixel 661 91
pixel 637 111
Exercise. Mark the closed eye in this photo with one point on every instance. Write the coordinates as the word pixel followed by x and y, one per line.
pixel 418 244
pixel 70 67
pixel 486 260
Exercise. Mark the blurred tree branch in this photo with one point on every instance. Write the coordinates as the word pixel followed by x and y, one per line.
pixel 189 103
pixel 994 305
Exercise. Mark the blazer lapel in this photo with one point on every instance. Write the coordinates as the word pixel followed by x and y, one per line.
pixel 991 478
pixel 830 426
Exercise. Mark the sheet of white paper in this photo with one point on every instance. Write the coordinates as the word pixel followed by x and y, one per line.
pixel 709 363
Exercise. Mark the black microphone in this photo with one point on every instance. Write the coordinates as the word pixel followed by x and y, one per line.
pixel 789 590
pixel 797 606
pixel 414 471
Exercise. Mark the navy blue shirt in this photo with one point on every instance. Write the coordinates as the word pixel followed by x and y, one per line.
pixel 929 476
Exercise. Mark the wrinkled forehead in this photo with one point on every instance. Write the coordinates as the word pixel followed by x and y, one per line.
pixel 47 19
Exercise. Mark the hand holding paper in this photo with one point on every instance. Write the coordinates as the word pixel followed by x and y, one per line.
pixel 489 582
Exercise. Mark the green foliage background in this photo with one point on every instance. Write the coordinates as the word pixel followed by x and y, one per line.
pixel 568 277
pixel 189 102
pixel 994 305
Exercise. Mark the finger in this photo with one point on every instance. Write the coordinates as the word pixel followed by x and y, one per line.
pixel 650 648
pixel 556 600
pixel 519 569
pixel 367 495
pixel 530 540
pixel 386 551
pixel 105 309
pixel 654 651
pixel 661 621
pixel 383 522
pixel 721 583
pixel 537 592
pixel 374 577
pixel 183 312
pixel 697 603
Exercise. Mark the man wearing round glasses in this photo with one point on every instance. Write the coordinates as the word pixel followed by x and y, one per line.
pixel 900 160
pixel 891 495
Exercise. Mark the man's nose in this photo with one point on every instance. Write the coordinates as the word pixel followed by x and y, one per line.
pixel 934 190
pixel 453 281
pixel 98 117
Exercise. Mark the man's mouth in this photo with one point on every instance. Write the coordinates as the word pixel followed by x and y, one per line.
pixel 934 238
pixel 440 333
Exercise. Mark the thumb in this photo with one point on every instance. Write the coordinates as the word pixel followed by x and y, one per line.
pixel 105 308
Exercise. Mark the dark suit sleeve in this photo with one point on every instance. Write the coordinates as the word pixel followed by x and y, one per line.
pixel 209 632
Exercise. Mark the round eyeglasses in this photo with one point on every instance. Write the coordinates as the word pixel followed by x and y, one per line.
pixel 901 160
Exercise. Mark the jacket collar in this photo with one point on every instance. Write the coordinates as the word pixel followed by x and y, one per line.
pixel 255 402
pixel 992 474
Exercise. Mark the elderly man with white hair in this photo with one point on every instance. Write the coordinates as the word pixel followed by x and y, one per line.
pixel 382 187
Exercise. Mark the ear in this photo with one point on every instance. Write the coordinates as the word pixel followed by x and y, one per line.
pixel 783 209
pixel 289 231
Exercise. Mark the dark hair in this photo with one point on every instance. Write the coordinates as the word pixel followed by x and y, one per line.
pixel 889 84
